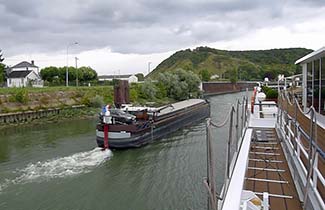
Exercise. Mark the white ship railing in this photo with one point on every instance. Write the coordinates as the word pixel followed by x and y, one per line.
pixel 301 137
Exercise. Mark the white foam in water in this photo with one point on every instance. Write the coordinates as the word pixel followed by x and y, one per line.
pixel 78 163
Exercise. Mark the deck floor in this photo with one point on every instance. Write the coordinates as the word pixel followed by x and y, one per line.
pixel 268 172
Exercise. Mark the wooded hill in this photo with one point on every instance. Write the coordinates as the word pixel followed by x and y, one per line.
pixel 233 65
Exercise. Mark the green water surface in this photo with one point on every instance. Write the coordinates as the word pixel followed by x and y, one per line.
pixel 55 166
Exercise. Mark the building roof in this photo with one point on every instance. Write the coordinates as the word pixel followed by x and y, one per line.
pixel 19 74
pixel 114 76
pixel 312 56
pixel 24 64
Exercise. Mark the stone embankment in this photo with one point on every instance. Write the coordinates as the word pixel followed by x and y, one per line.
pixel 28 116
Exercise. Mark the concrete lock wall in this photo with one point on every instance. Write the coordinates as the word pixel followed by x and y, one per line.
pixel 210 88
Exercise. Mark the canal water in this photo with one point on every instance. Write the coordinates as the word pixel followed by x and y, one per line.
pixel 58 167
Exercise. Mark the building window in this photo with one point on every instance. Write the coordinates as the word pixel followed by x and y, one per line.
pixel 9 81
pixel 316 85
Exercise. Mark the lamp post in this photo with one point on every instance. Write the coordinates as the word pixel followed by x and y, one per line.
pixel 76 59
pixel 149 63
pixel 280 78
pixel 67 72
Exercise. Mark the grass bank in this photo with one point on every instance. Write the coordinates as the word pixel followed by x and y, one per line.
pixel 27 99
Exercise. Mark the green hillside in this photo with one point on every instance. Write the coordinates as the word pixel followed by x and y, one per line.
pixel 246 65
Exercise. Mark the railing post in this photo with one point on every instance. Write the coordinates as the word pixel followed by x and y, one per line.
pixel 242 116
pixel 237 124
pixel 299 141
pixel 315 175
pixel 286 115
pixel 229 142
pixel 310 154
pixel 295 125
pixel 212 203
pixel 281 112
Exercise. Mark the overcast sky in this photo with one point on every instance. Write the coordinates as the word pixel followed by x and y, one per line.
pixel 124 35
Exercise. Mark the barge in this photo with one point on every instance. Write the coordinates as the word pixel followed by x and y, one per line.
pixel 130 127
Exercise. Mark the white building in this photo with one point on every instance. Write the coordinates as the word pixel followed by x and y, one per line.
pixel 131 78
pixel 24 74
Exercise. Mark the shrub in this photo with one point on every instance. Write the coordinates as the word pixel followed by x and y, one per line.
pixel 149 90
pixel 96 101
pixel 21 96
pixel 265 89
pixel 86 100
pixel 271 94
pixel 133 95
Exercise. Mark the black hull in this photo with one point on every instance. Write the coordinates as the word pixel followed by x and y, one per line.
pixel 173 124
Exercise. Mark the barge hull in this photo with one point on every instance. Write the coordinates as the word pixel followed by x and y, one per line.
pixel 174 123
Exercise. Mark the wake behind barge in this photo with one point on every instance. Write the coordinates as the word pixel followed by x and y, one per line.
pixel 130 127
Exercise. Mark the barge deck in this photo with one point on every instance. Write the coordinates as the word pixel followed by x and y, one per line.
pixel 268 171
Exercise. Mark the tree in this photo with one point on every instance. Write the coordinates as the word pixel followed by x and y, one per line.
pixel 233 75
pixel 2 73
pixel 205 75
pixel 57 76
pixel 148 90
pixel 2 69
pixel 1 58
pixel 179 85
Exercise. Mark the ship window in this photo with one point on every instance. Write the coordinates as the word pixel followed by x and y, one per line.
pixel 316 85
pixel 309 84
pixel 322 107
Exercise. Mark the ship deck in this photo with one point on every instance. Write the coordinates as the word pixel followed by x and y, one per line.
pixel 268 171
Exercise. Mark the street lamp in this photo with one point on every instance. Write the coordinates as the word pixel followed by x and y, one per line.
pixel 280 78
pixel 149 63
pixel 67 72
pixel 76 70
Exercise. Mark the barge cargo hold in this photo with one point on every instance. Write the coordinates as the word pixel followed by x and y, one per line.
pixel 130 127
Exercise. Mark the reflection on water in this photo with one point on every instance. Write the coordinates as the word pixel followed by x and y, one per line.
pixel 43 167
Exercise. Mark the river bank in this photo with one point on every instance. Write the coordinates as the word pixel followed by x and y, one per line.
pixel 52 104
pixel 60 116
pixel 32 99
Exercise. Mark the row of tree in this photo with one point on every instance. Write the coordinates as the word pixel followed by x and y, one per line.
pixel 57 75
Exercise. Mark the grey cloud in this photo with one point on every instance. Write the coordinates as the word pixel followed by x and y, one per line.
pixel 143 26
